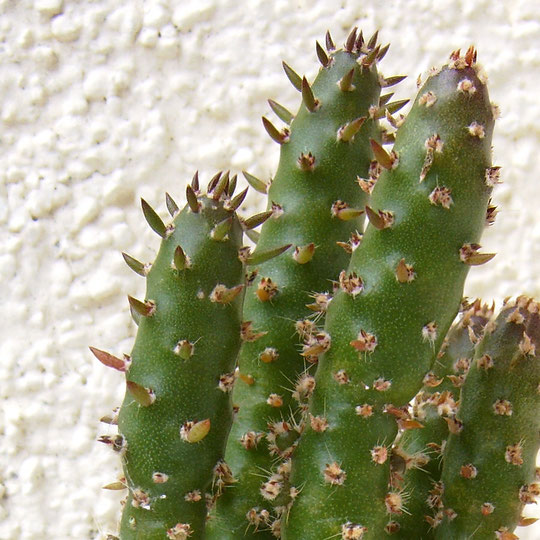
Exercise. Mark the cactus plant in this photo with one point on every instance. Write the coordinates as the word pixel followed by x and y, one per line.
pixel 176 413
pixel 338 329
pixel 489 462
pixel 396 302
pixel 416 461
pixel 315 203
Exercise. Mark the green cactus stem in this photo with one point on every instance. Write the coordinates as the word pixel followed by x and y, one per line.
pixel 315 203
pixel 398 298
pixel 489 460
pixel 177 410
pixel 416 461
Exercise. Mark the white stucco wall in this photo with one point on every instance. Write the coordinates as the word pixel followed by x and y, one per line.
pixel 105 101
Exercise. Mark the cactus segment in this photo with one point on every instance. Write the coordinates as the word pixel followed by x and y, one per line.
pixel 282 340
pixel 176 412
pixel 385 332
pixel 489 463
pixel 417 456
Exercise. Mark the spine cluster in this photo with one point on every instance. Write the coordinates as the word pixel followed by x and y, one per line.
pixel 269 390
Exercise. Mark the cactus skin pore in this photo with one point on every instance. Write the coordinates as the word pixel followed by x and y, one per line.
pixel 317 167
pixel 416 463
pixel 177 412
pixel 489 463
pixel 427 213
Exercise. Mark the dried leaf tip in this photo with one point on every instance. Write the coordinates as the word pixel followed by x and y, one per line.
pixel 391 81
pixel 195 182
pixel 459 62
pixel 221 187
pixel 351 40
pixel 109 360
pixel 372 43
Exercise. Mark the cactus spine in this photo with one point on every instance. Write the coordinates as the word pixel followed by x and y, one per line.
pixel 397 300
pixel 315 203
pixel 489 463
pixel 176 412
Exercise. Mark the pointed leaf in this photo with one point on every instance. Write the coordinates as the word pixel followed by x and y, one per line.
pixel 221 230
pixel 278 136
pixel 146 309
pixel 143 396
pixel 295 79
pixel 263 256
pixel 281 112
pixel 155 222
pixel 255 183
pixel 321 55
pixel 137 266
pixel 192 200
pixel 172 207
pixel 109 360
pixel 256 220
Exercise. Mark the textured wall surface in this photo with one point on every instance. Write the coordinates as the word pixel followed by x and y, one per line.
pixel 105 101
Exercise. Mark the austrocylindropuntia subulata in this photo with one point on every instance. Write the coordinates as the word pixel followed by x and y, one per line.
pixel 397 300
pixel 489 469
pixel 177 412
pixel 338 329
pixel 316 203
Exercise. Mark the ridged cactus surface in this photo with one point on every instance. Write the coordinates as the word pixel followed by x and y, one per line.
pixel 489 464
pixel 315 203
pixel 397 300
pixel 176 414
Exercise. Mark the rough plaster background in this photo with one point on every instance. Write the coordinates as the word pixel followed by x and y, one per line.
pixel 105 101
